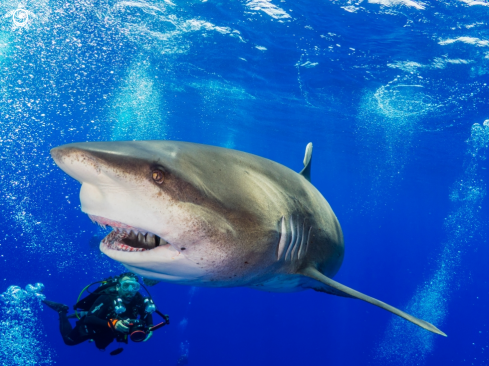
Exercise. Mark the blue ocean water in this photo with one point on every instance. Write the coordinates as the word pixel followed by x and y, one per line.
pixel 394 96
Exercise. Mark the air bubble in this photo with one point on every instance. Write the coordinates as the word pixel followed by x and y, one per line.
pixel 21 328
pixel 430 300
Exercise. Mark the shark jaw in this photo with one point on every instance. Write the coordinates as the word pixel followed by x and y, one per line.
pixel 126 238
pixel 146 254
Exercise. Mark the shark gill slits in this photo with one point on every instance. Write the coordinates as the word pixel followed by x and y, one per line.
pixel 158 176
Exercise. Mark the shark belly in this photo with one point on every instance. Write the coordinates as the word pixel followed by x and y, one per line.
pixel 282 283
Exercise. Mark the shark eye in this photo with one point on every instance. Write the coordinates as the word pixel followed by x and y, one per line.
pixel 158 176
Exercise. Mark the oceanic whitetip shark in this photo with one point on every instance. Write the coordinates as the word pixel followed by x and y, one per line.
pixel 202 215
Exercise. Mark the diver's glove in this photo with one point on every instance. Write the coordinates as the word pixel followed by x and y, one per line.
pixel 150 334
pixel 119 325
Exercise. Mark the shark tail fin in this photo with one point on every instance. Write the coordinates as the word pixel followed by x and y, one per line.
pixel 316 275
pixel 306 172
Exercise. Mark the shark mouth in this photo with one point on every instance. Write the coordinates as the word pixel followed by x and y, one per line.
pixel 126 238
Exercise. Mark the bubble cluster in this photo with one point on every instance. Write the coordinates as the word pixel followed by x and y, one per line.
pixel 21 328
pixel 393 114
pixel 401 101
pixel 184 345
pixel 183 324
pixel 15 295
pixel 479 140
pixel 137 106
pixel 184 353
pixel 405 343
pixel 157 26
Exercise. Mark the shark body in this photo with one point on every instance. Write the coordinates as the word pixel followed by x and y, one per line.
pixel 202 215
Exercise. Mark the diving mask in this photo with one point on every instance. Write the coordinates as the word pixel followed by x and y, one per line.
pixel 130 286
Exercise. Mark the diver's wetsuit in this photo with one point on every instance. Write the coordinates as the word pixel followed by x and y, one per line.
pixel 95 325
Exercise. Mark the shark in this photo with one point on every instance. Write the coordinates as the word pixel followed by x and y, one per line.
pixel 203 215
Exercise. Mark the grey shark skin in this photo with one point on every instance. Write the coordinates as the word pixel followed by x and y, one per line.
pixel 208 216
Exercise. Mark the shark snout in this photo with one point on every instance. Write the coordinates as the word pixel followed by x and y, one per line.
pixel 78 163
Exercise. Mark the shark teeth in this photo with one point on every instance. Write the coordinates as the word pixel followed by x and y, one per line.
pixel 120 246
pixel 126 238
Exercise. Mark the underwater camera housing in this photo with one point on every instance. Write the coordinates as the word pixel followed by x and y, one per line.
pixel 137 331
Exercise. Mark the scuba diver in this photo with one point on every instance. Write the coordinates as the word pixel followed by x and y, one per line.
pixel 110 312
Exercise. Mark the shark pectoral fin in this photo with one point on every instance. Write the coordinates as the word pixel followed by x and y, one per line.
pixel 306 172
pixel 318 276
pixel 149 282
pixel 330 290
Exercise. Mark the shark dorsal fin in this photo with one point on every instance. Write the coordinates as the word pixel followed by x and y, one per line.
pixel 306 172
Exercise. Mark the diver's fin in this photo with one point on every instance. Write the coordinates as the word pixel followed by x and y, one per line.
pixel 315 274
pixel 149 282
pixel 56 306
pixel 306 172
pixel 116 351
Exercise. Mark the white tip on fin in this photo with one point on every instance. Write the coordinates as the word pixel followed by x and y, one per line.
pixel 306 172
